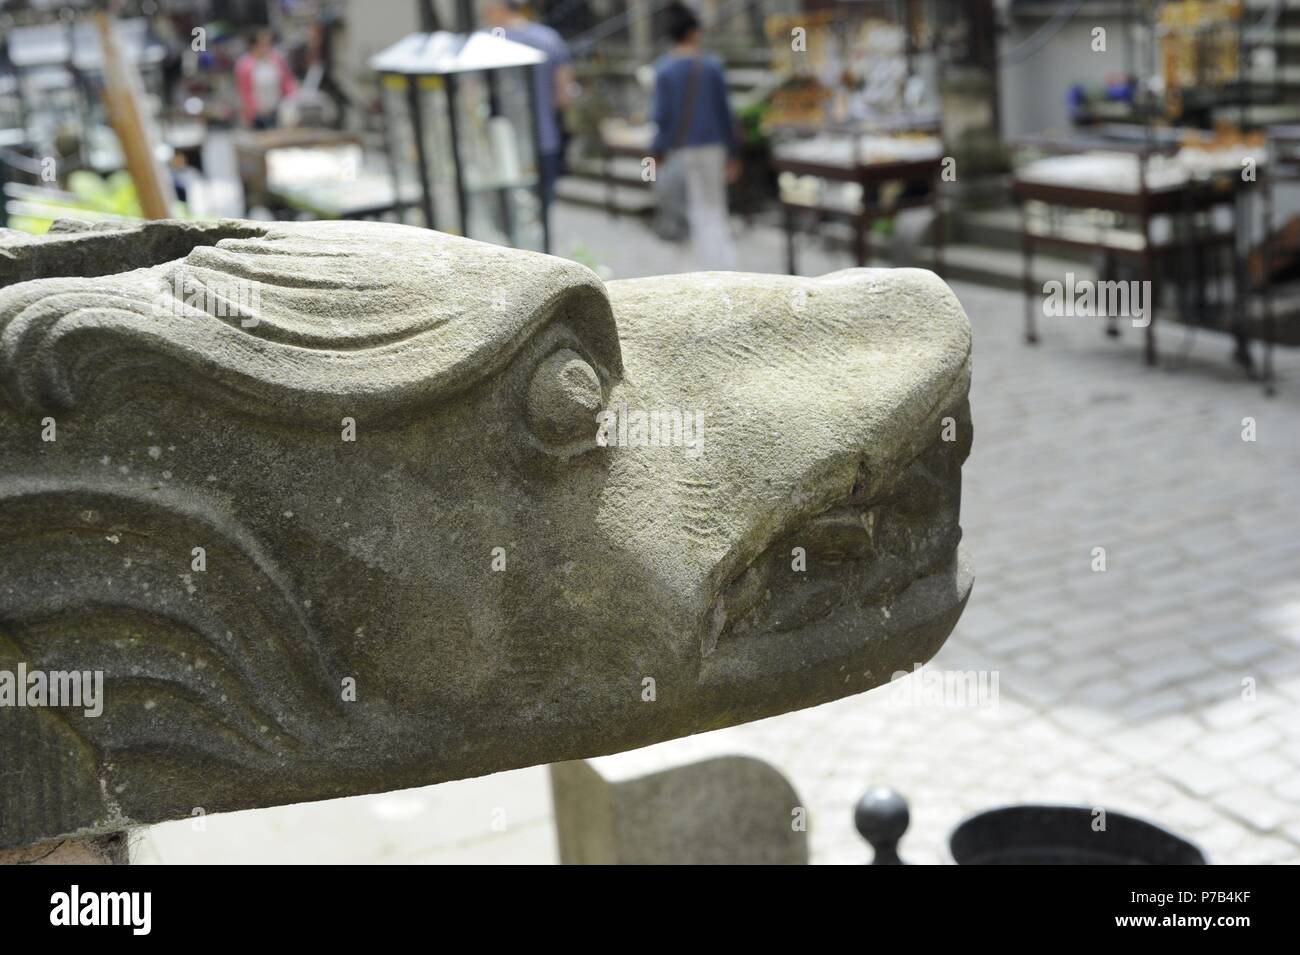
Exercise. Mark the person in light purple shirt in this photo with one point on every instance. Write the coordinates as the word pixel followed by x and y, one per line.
pixel 553 81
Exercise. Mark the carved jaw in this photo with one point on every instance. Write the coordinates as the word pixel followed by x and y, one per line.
pixel 866 588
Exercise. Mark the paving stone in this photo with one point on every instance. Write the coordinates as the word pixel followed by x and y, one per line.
pixel 1079 672
pixel 1232 714
pixel 1188 815
pixel 1012 640
pixel 1143 651
pixel 1216 688
pixel 1204 777
pixel 1156 704
pixel 1265 851
pixel 1242 652
pixel 1258 807
pixel 1264 769
pixel 1143 748
pixel 1168 670
pixel 1106 693
pixel 1292 832
pixel 1238 743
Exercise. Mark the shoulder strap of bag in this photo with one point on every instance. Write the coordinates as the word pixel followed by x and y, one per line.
pixel 688 105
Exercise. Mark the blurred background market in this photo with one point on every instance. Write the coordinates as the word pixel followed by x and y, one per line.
pixel 1012 145
pixel 972 136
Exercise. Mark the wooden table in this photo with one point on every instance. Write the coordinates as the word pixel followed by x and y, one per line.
pixel 1180 202
pixel 251 148
pixel 868 175
pixel 368 196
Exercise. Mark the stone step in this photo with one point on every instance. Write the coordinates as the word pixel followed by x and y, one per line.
pixel 1000 229
pixel 594 193
pixel 1261 114
pixel 1000 268
pixel 622 169
pixel 747 77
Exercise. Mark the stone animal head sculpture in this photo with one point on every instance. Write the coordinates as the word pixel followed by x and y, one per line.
pixel 343 508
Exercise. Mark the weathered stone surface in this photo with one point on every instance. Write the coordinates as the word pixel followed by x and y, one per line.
pixel 347 419
pixel 727 810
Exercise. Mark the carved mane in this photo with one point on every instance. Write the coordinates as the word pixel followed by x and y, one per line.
pixel 304 323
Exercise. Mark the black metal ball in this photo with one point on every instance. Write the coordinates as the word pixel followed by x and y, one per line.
pixel 881 816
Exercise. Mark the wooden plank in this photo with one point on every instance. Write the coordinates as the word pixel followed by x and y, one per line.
pixel 124 98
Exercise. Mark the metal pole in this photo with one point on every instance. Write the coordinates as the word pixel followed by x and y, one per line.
pixel 530 79
pixel 422 161
pixel 503 193
pixel 452 100
pixel 428 16
pixel 390 149
pixel 465 16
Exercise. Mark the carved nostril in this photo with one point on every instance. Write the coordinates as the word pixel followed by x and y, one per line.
pixel 843 534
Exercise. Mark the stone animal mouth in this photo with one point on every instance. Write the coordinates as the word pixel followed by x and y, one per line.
pixel 847 566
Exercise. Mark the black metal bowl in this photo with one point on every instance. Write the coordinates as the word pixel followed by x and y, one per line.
pixel 1064 835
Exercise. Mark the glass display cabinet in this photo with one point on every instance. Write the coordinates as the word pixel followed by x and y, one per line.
pixel 460 130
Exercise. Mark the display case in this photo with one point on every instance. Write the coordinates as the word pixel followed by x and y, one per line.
pixel 461 132
pixel 859 173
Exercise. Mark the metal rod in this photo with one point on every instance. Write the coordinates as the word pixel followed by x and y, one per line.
pixel 538 187
pixel 452 89
pixel 422 161
pixel 504 195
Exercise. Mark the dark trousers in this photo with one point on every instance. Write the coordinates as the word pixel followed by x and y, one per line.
pixel 549 166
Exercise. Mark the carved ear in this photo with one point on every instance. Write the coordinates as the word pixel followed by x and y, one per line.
pixel 103 578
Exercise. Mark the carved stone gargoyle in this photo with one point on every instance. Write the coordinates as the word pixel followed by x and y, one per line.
pixel 337 508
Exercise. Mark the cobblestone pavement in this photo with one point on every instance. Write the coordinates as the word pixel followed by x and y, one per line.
pixel 1167 685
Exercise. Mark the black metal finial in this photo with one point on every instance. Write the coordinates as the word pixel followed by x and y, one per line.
pixel 882 817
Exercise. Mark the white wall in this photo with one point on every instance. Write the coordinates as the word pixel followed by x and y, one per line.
pixel 373 25
pixel 1034 85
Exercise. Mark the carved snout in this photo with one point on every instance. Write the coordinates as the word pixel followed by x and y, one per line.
pixel 816 520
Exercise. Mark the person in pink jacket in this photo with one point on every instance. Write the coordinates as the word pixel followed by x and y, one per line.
pixel 264 81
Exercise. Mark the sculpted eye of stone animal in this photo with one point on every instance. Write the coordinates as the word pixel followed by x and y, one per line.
pixel 564 397
pixel 347 507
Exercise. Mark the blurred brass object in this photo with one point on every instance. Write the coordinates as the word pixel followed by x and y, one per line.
pixel 801 101
pixel 799 44
pixel 1198 47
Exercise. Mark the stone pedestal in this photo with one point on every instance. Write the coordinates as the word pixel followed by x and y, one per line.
pixel 725 810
